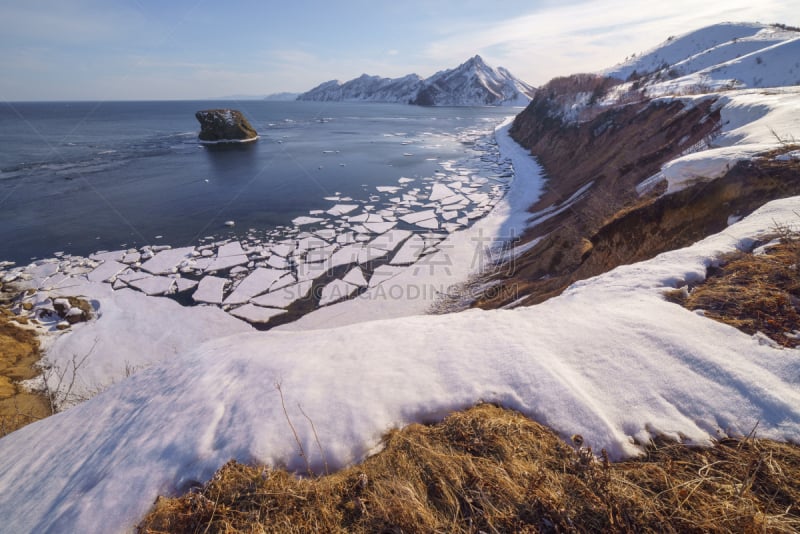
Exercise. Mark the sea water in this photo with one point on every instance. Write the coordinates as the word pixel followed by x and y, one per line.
pixel 78 177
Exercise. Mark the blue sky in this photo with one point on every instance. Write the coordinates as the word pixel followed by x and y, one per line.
pixel 187 49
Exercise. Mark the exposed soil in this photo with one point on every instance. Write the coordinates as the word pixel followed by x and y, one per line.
pixel 493 470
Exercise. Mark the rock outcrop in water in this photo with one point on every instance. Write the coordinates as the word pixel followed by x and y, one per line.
pixel 224 126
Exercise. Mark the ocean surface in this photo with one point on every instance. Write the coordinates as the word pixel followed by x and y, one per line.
pixel 78 177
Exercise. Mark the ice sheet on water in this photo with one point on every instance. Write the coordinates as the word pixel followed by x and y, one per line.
pixel 326 234
pixel 429 224
pixel 346 238
pixel 257 282
pixel 284 297
pixel 310 271
pixel 220 264
pixel 439 192
pixel 321 254
pixel 106 270
pixel 38 272
pixel 346 255
pixel 184 284
pixel 234 248
pixel 131 257
pixel 455 199
pixel 284 248
pixel 210 290
pixel 379 227
pixel 415 217
pixel 390 240
pixel 277 262
pixel 410 251
pixel 370 253
pixel 342 209
pixel 310 243
pixel 115 255
pixel 305 220
pixel 336 290
pixel 256 314
pixel 154 285
pixel 360 218
pixel 167 261
pixel 130 276
pixel 355 277
pixel 448 215
pixel 383 274
pixel 388 189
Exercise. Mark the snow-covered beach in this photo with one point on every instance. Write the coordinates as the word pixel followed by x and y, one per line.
pixel 609 359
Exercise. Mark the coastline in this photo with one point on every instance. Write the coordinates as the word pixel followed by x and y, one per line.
pixel 116 350
pixel 463 254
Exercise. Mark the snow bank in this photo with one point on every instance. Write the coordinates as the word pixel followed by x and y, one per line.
pixel 754 121
pixel 609 359
pixel 131 332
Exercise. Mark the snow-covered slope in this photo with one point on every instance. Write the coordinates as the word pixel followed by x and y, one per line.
pixel 473 83
pixel 720 56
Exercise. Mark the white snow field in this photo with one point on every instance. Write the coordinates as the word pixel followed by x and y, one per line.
pixel 718 56
pixel 610 359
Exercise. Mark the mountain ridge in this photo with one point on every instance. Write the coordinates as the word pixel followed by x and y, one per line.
pixel 473 83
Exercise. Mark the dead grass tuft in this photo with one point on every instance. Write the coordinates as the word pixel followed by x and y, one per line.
pixel 754 292
pixel 19 352
pixel 493 470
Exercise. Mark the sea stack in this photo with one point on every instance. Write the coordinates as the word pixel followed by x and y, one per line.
pixel 224 126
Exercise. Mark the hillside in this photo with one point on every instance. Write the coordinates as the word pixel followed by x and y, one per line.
pixel 730 55
pixel 473 83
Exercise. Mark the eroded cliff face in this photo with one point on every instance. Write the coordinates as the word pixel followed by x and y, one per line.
pixel 591 219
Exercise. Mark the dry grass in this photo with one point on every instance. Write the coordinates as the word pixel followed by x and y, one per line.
pixel 754 293
pixel 19 352
pixel 492 470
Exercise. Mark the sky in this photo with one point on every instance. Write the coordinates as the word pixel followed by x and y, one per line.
pixel 198 49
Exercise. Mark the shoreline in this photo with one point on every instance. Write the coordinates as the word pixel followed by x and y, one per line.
pixel 159 268
pixel 455 264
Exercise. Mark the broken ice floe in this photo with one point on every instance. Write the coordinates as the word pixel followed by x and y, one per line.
pixel 336 250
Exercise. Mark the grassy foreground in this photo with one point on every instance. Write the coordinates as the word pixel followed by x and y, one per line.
pixel 488 469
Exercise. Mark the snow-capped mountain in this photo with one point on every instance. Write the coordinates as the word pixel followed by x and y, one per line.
pixel 366 88
pixel 473 83
pixel 727 55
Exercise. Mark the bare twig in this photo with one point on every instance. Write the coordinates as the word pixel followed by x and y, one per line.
pixel 316 438
pixel 303 454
